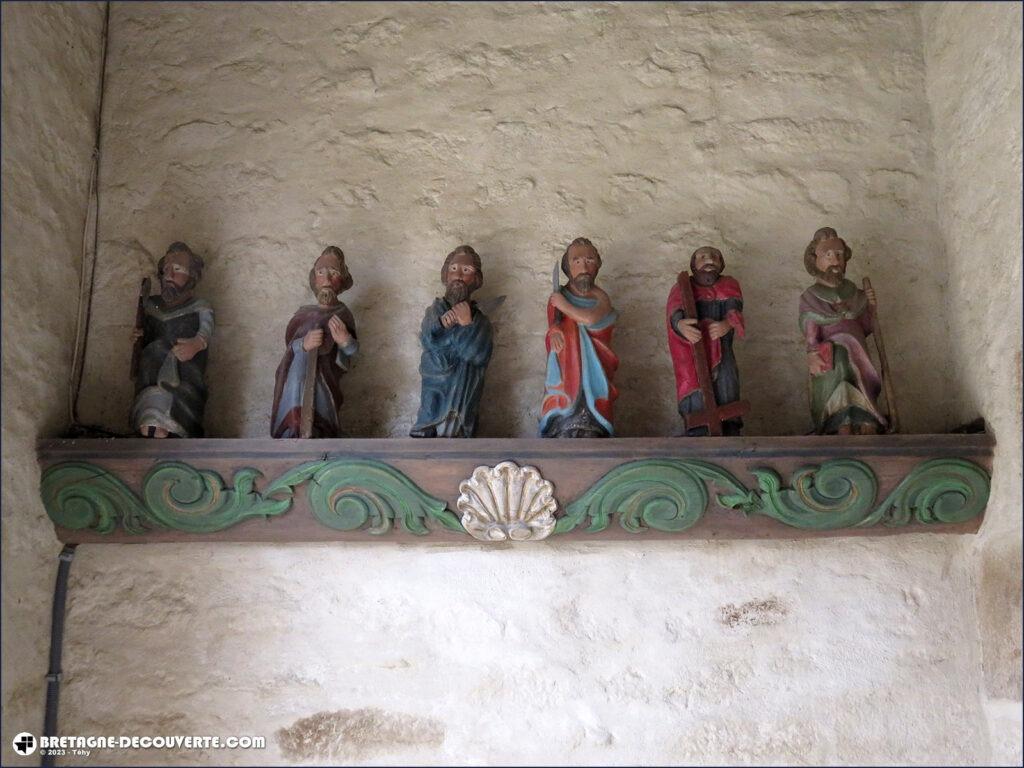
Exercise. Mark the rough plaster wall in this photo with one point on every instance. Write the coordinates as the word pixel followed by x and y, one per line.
pixel 397 132
pixel 746 652
pixel 50 70
pixel 261 133
pixel 973 52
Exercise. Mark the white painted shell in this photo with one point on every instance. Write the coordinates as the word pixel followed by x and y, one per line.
pixel 507 502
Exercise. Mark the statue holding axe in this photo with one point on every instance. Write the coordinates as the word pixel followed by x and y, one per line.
pixel 704 314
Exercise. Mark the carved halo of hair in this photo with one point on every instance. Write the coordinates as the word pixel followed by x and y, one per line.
pixel 710 248
pixel 811 259
pixel 464 250
pixel 346 276
pixel 195 261
pixel 579 241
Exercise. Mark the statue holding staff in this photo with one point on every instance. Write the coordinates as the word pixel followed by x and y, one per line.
pixel 320 344
pixel 836 317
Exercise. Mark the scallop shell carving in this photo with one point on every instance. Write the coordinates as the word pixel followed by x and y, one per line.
pixel 507 502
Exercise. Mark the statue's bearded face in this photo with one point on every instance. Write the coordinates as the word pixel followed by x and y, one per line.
pixel 707 266
pixel 584 264
pixel 460 279
pixel 328 279
pixel 175 279
pixel 830 262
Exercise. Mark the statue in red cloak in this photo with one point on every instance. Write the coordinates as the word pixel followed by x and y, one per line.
pixel 719 319
pixel 578 389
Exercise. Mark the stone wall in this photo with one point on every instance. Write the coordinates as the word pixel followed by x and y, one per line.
pixel 261 133
pixel 50 77
pixel 398 132
pixel 973 55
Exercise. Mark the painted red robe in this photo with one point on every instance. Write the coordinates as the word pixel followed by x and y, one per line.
pixel 726 290
pixel 580 376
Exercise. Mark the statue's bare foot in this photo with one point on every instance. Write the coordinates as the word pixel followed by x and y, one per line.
pixel 845 429
pixel 159 432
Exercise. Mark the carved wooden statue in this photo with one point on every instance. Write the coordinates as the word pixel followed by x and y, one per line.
pixel 578 389
pixel 172 333
pixel 321 342
pixel 836 318
pixel 456 337
pixel 704 314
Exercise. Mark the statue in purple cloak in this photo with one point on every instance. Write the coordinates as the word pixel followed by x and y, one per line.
pixel 334 349
pixel 836 319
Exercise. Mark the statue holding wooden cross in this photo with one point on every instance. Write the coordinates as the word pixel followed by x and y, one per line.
pixel 704 314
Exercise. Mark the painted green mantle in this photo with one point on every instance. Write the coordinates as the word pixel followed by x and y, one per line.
pixel 97 490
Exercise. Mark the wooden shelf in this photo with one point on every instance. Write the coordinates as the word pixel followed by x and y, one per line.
pixel 404 490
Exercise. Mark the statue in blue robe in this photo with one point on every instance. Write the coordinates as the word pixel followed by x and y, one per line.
pixel 456 337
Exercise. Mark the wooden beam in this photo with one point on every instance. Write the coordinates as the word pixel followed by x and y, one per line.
pixel 436 468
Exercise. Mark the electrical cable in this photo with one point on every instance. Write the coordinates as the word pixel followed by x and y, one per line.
pixel 53 676
pixel 90 243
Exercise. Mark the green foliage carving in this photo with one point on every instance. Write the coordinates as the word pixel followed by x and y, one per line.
pixel 82 496
pixel 938 491
pixel 838 494
pixel 183 498
pixel 841 493
pixel 668 495
pixel 672 494
pixel 664 494
pixel 345 495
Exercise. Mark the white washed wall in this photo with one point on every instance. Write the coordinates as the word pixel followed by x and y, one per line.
pixel 50 75
pixel 973 53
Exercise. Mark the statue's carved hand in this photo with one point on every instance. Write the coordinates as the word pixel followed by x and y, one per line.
pixel 313 339
pixel 872 298
pixel 815 364
pixel 448 319
pixel 557 340
pixel 186 349
pixel 689 330
pixel 718 328
pixel 558 300
pixel 463 313
pixel 339 331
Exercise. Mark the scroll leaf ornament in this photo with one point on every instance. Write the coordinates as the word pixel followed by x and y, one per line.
pixel 344 494
pixel 840 493
pixel 350 494
pixel 938 491
pixel 80 496
pixel 664 494
pixel 507 502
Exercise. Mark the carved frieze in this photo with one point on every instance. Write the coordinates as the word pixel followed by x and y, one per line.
pixel 511 502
